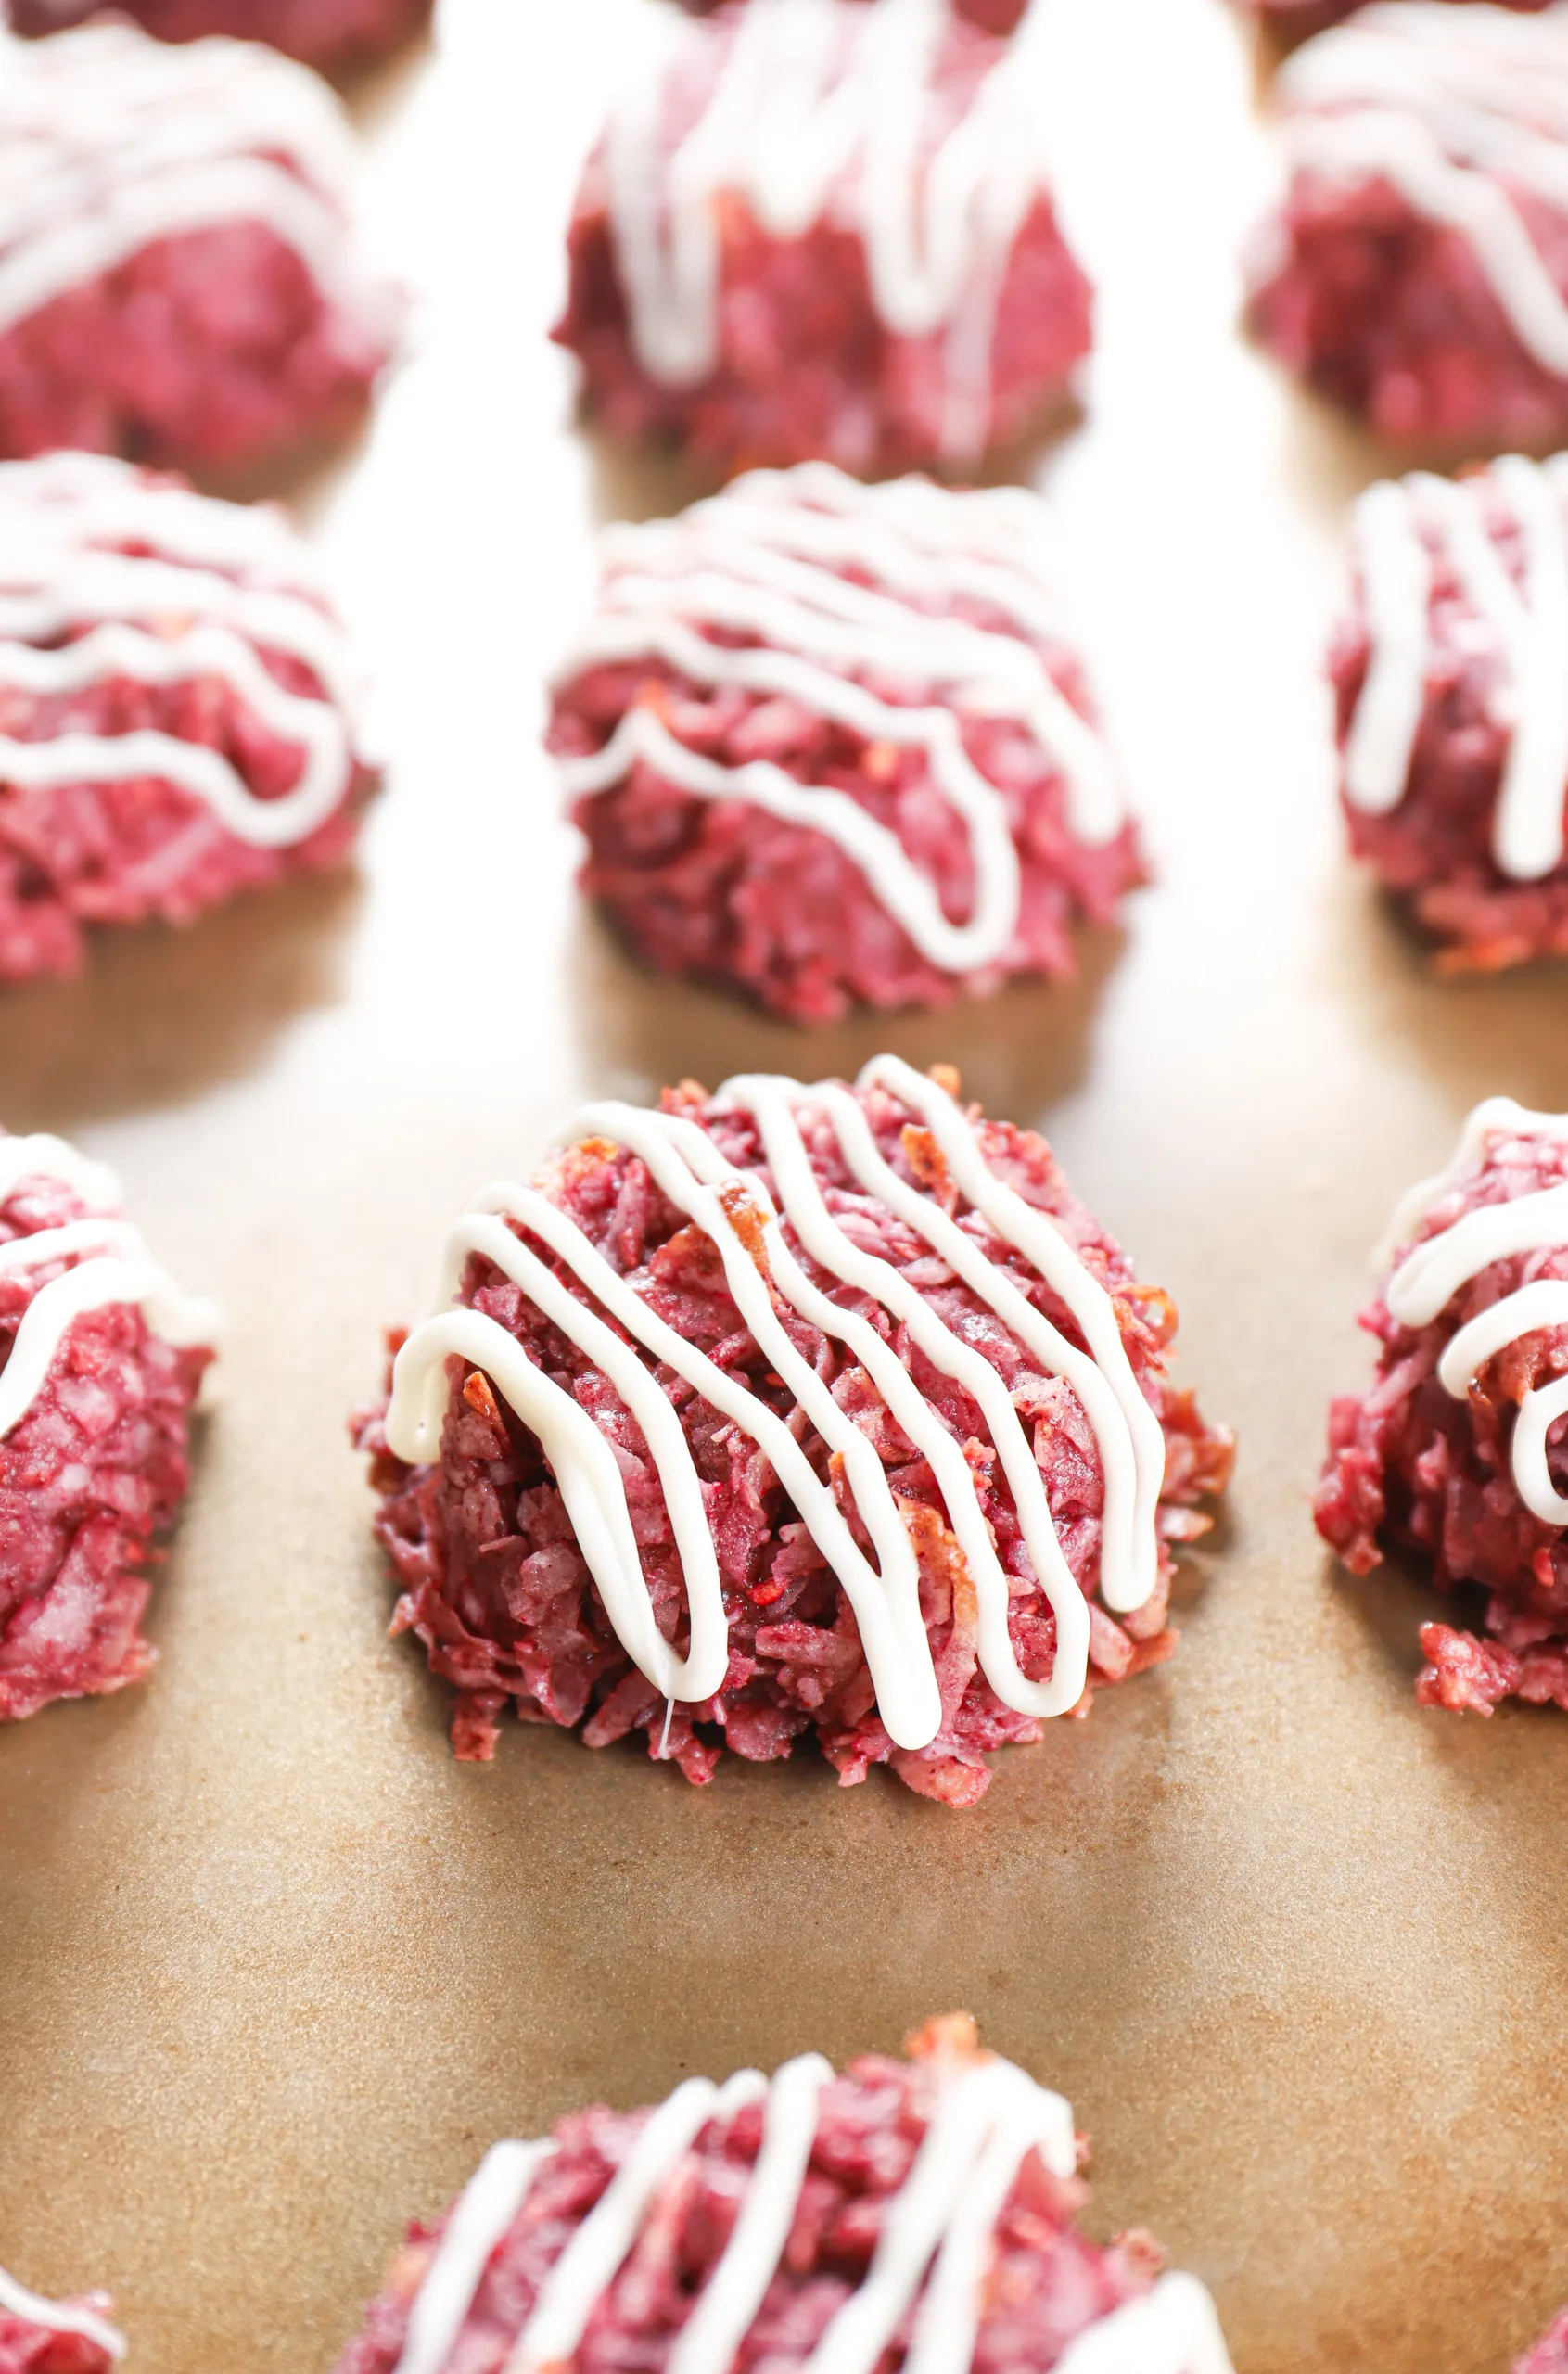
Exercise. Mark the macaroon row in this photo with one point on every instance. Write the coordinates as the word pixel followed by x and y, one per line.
pixel 812 230
pixel 800 1412
pixel 920 2212
pixel 826 744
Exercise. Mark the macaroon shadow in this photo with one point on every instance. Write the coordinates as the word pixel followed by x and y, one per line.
pixel 160 1013
pixel 1390 1606
pixel 1480 1034
pixel 632 482
pixel 1021 459
pixel 48 1762
pixel 629 481
pixel 1512 1755
pixel 1498 1764
pixel 303 477
pixel 1019 1052
pixel 1326 437
pixel 373 93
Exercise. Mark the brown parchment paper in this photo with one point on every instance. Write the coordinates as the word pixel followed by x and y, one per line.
pixel 274 1968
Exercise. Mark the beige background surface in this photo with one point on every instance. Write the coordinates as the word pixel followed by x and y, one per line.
pixel 273 1966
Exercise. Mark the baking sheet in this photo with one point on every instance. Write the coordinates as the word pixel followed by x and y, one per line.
pixel 274 1968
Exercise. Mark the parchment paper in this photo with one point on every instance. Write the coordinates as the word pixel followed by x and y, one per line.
pixel 274 1968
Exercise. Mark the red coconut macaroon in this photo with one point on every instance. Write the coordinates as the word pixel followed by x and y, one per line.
pixel 827 743
pixel 176 706
pixel 1450 677
pixel 907 2215
pixel 180 280
pixel 788 1411
pixel 1417 271
pixel 336 36
pixel 825 232
pixel 55 2337
pixel 1454 1450
pixel 100 1359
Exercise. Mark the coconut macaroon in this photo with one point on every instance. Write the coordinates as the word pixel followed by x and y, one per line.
pixel 181 280
pixel 101 1355
pixel 1452 707
pixel 1416 270
pixel 830 744
pixel 826 230
pixel 177 706
pixel 909 2214
pixel 783 1413
pixel 1454 1453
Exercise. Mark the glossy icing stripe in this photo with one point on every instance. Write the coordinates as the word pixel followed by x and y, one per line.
pixel 933 2257
pixel 771 1101
pixel 733 1210
pixel 55 2318
pixel 191 767
pixel 487 2208
pixel 945 2182
pixel 1448 107
pixel 812 97
pixel 229 190
pixel 95 498
pixel 42 1157
pixel 1437 1268
pixel 116 1269
pixel 1104 1380
pixel 114 608
pixel 593 2257
pixel 729 2303
pixel 180 138
pixel 73 585
pixel 1496 1116
pixel 1398 526
pixel 767 559
pixel 907 894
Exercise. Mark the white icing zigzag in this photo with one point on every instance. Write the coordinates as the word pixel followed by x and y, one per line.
pixel 109 140
pixel 765 558
pixel 110 1264
pixel 814 97
pixel 59 519
pixel 1398 524
pixel 935 2247
pixel 1450 104
pixel 1436 1269
pixel 729 1206
pixel 16 2300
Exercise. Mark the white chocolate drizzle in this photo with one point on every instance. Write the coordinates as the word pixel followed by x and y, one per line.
pixel 1457 108
pixel 934 2253
pixel 1401 528
pixel 1436 1269
pixel 108 1264
pixel 768 558
pixel 821 108
pixel 109 140
pixel 55 2316
pixel 492 2200
pixel 720 1198
pixel 218 583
